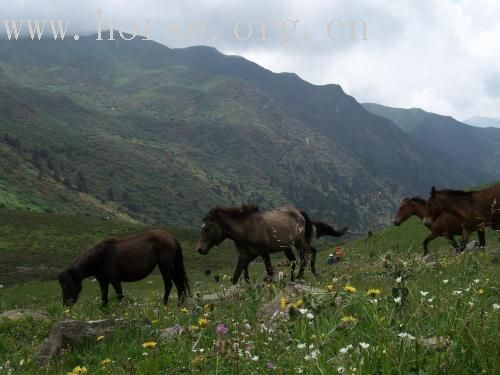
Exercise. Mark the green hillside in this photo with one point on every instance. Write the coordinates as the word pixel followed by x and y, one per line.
pixel 469 146
pixel 138 131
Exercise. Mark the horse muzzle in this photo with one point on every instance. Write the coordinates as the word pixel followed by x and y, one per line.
pixel 396 223
pixel 201 250
pixel 427 220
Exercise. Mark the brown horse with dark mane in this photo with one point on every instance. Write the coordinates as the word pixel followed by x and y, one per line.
pixel 260 233
pixel 475 209
pixel 131 259
pixel 446 225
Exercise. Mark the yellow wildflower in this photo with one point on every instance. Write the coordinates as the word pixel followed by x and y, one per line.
pixel 78 370
pixel 198 359
pixel 105 362
pixel 348 319
pixel 373 292
pixel 184 310
pixel 330 288
pixel 298 304
pixel 284 302
pixel 480 291
pixel 149 344
pixel 209 307
pixel 203 322
pixel 99 338
pixel 155 321
pixel 350 289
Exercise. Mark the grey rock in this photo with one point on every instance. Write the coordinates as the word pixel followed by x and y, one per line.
pixel 22 313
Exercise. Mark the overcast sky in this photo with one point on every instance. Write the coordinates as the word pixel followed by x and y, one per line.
pixel 439 55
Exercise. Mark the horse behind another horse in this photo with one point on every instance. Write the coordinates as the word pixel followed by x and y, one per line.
pixel 131 259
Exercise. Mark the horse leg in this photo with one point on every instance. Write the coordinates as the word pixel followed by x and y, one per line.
pixel 269 266
pixel 302 264
pixel 246 274
pixel 481 237
pixel 104 284
pixel 453 242
pixel 465 237
pixel 240 266
pixel 166 274
pixel 313 261
pixel 428 239
pixel 293 261
pixel 117 286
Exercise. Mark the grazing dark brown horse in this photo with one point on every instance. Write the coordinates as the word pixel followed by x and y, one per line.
pixel 445 225
pixel 475 209
pixel 131 259
pixel 259 233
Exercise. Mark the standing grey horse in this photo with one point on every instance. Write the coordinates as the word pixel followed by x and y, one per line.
pixel 260 233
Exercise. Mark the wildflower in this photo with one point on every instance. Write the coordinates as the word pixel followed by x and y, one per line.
pixel 348 319
pixel 311 346
pixel 78 370
pixel 364 345
pixel 496 306
pixel 457 293
pixel 430 300
pixel 281 275
pixel 373 292
pixel 105 362
pixel 315 354
pixel 350 289
pixel 423 293
pixel 345 349
pixel 310 316
pixel 341 370
pixel 99 338
pixel 149 344
pixel 471 304
pixel 480 291
pixel 330 288
pixel 221 329
pixel 477 281
pixel 184 310
pixel 270 365
pixel 397 299
pixel 155 321
pixel 198 359
pixel 208 307
pixel 301 346
pixel 203 322
pixel 398 280
pixel 283 302
pixel 445 281
pixel 255 358
pixel 298 304
pixel 303 311
pixel 406 335
pixel 374 300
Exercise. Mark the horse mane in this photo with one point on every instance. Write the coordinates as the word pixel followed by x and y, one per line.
pixel 418 200
pixel 232 211
pixel 454 193
pixel 94 251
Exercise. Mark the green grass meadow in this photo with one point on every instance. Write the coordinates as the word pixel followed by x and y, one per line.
pixel 331 330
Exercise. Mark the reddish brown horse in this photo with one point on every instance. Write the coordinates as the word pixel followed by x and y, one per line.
pixel 131 259
pixel 445 225
pixel 260 233
pixel 475 209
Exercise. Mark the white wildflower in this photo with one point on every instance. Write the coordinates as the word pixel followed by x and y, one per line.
pixel 398 280
pixel 397 300
pixel 364 345
pixel 406 335
pixel 445 281
pixel 496 306
pixel 457 293
pixel 477 281
pixel 423 293
pixel 315 354
pixel 301 346
pixel 310 316
pixel 303 311
pixel 341 370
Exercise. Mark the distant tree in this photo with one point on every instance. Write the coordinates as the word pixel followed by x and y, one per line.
pixel 81 182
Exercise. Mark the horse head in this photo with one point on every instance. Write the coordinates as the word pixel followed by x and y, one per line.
pixel 71 286
pixel 212 233
pixel 404 212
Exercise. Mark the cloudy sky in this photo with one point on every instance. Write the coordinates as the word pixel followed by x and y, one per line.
pixel 442 56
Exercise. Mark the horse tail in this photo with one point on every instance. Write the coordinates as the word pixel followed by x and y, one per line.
pixel 324 229
pixel 308 227
pixel 179 272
